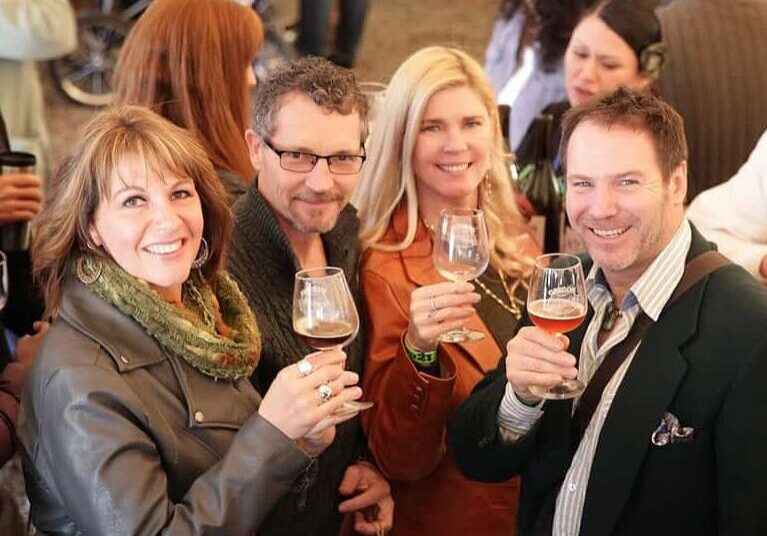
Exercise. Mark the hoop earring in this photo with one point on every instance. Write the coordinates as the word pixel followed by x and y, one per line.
pixel 89 269
pixel 202 255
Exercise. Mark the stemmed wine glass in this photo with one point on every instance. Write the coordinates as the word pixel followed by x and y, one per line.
pixel 325 315
pixel 556 302
pixel 461 253
pixel 3 281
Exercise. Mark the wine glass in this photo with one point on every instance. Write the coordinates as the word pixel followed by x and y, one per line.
pixel 3 281
pixel 461 253
pixel 556 302
pixel 325 315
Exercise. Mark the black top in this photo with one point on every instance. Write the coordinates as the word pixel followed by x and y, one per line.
pixel 527 147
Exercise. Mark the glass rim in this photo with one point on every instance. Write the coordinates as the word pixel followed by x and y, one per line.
pixel 330 271
pixel 461 211
pixel 561 255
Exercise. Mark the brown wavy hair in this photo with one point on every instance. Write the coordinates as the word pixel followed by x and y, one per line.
pixel 186 59
pixel 60 231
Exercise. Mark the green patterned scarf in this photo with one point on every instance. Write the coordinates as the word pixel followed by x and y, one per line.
pixel 215 330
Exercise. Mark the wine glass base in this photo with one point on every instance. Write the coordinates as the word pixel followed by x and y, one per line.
pixel 355 406
pixel 461 335
pixel 561 391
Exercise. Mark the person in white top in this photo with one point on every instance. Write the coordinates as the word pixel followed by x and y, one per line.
pixel 734 213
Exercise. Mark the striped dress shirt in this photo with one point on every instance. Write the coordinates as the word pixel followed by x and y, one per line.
pixel 649 294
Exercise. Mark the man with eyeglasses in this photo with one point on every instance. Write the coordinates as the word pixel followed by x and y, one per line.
pixel 307 143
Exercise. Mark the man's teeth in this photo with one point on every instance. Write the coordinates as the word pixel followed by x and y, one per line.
pixel 164 249
pixel 611 233
pixel 454 168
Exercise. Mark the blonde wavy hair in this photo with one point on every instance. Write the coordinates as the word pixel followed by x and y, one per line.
pixel 388 177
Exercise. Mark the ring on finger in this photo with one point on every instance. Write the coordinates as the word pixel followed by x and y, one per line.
pixel 305 367
pixel 432 305
pixel 325 392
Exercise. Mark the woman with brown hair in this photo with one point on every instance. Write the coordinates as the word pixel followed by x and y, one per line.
pixel 139 417
pixel 190 61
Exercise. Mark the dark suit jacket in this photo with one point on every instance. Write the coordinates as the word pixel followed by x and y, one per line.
pixel 704 361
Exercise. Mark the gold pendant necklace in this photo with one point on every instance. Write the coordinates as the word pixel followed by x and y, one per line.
pixel 512 306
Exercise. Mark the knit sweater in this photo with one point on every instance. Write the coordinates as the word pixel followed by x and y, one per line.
pixel 262 261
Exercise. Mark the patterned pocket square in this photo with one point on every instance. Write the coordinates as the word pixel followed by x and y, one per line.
pixel 670 431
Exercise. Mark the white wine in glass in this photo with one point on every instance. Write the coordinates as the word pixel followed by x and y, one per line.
pixel 461 253
pixel 325 315
pixel 556 302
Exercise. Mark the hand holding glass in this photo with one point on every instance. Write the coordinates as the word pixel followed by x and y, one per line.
pixel 324 314
pixel 461 253
pixel 556 302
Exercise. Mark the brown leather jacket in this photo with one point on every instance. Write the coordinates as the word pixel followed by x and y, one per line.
pixel 121 438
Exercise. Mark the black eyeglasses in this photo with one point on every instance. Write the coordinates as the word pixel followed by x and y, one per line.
pixel 300 162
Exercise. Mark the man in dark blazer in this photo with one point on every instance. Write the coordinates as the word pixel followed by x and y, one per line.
pixel 675 443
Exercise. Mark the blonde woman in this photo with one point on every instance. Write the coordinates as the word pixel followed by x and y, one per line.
pixel 436 144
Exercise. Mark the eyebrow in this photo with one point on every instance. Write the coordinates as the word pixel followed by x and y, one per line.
pixel 128 188
pixel 464 118
pixel 625 174
pixel 599 56
pixel 302 149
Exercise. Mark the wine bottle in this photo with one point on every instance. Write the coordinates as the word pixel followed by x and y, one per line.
pixel 504 119
pixel 542 191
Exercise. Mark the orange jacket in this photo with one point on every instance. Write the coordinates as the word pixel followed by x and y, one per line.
pixel 406 428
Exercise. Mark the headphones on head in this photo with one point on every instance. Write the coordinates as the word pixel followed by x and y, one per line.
pixel 652 59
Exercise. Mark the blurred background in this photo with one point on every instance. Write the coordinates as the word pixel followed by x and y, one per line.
pixel 393 30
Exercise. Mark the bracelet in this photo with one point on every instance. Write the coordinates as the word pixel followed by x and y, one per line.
pixel 422 359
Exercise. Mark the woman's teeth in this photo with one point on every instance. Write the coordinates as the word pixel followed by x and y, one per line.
pixel 164 249
pixel 453 168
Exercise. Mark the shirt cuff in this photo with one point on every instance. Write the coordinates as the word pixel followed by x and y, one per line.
pixel 515 417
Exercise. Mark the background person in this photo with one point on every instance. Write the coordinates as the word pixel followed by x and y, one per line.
pixel 616 43
pixel 31 30
pixel 524 57
pixel 143 376
pixel 436 144
pixel 677 423
pixel 191 62
pixel 734 214
pixel 315 21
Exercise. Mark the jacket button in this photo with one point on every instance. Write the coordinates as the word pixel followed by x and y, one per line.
pixel 418 389
pixel 414 408
pixel 199 416
pixel 124 359
pixel 484 442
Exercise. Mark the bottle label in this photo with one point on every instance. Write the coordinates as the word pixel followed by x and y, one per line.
pixel 537 226
pixel 571 241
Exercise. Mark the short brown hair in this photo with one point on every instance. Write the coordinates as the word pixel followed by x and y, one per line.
pixel 186 59
pixel 61 231
pixel 635 110
pixel 329 86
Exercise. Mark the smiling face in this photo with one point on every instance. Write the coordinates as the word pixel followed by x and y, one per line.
pixel 598 60
pixel 618 200
pixel 308 202
pixel 452 149
pixel 151 224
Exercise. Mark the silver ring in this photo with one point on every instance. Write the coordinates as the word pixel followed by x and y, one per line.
pixel 325 392
pixel 305 367
pixel 432 306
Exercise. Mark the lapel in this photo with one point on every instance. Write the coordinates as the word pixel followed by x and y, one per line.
pixel 419 269
pixel 645 394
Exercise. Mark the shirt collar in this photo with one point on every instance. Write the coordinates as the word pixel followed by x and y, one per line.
pixel 654 287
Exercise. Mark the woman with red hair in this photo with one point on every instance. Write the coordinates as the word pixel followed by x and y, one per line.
pixel 190 61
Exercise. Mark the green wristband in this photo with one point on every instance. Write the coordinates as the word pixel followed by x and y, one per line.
pixel 422 359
